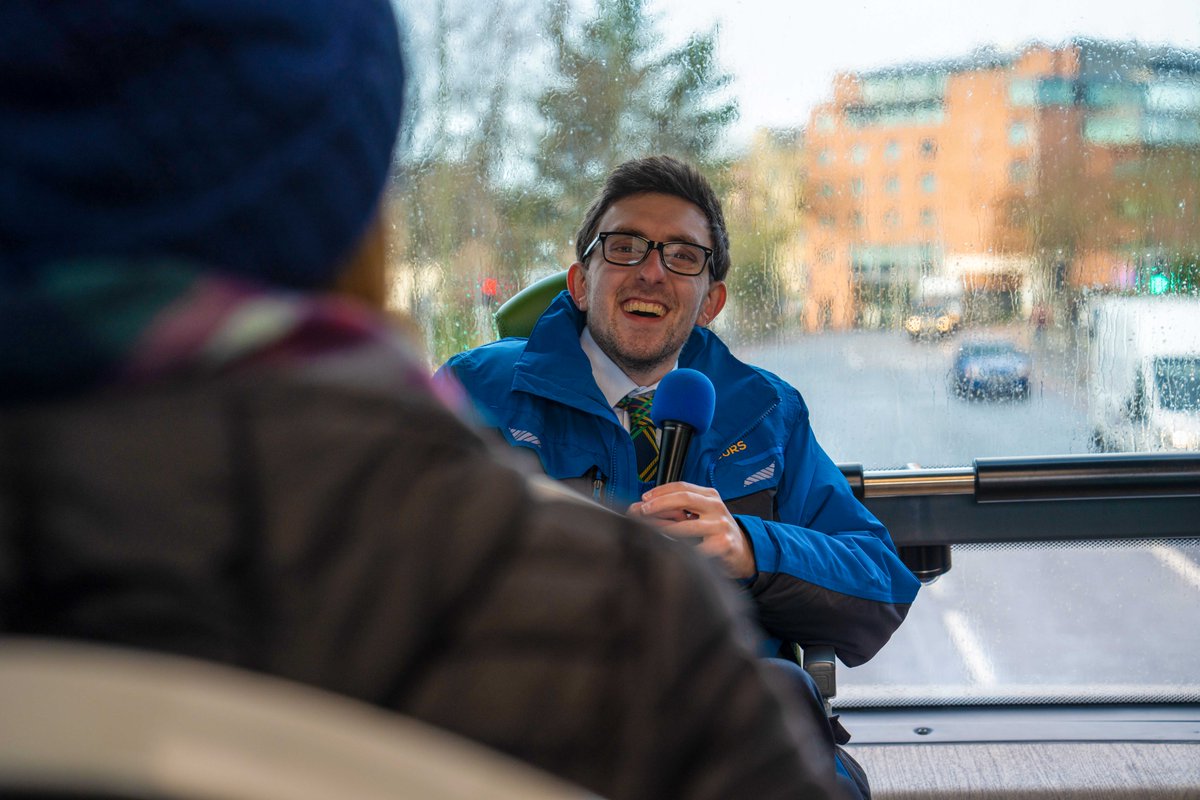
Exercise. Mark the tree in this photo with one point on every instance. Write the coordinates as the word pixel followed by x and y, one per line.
pixel 1057 212
pixel 1158 195
pixel 616 96
pixel 764 211
pixel 450 209
pixel 1139 204
pixel 507 153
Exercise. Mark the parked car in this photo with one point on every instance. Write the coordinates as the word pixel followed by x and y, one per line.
pixel 927 322
pixel 991 369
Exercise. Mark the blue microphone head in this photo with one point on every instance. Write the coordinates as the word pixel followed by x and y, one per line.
pixel 686 396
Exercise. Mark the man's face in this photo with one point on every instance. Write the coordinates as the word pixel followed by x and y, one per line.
pixel 641 316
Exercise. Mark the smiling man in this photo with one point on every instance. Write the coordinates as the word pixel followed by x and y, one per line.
pixel 758 494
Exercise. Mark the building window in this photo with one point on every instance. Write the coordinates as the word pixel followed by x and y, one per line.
pixel 891 185
pixel 825 122
pixel 928 183
pixel 826 221
pixel 928 217
pixel 1018 134
pixel 892 219
pixel 1023 92
pixel 891 151
pixel 856 219
pixel 1056 92
pixel 857 187
pixel 826 190
pixel 929 148
pixel 825 157
pixel 1018 171
pixel 858 154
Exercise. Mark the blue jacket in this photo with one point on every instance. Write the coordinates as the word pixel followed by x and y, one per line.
pixel 828 572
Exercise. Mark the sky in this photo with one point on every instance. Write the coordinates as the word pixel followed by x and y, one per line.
pixel 784 55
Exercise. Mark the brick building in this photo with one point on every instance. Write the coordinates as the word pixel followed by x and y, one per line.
pixel 999 181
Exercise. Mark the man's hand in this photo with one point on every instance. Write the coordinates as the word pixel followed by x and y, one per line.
pixel 687 511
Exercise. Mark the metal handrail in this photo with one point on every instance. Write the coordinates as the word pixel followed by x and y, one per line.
pixel 1036 478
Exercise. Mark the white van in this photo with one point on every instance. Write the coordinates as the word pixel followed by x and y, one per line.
pixel 1144 373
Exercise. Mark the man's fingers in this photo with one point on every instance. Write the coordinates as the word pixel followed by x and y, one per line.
pixel 679 501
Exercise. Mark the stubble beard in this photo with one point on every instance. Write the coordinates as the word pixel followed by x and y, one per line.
pixel 634 363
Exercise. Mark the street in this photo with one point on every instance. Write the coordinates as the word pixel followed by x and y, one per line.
pixel 1019 623
pixel 879 399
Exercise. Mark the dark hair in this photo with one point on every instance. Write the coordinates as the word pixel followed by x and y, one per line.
pixel 665 175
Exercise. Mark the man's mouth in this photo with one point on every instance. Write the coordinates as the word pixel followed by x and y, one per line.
pixel 643 308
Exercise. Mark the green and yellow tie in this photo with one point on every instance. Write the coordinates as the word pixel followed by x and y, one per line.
pixel 643 432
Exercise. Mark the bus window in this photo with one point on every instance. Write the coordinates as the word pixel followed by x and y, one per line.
pixel 959 235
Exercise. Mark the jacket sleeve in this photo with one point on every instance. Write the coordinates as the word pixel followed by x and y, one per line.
pixel 828 572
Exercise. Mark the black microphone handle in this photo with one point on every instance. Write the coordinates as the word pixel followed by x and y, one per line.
pixel 672 449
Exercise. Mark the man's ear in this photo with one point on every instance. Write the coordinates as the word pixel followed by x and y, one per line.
pixel 714 301
pixel 577 284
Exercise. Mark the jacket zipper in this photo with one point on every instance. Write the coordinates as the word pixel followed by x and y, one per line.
pixel 612 470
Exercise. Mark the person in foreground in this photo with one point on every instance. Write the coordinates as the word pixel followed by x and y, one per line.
pixel 757 494
pixel 211 449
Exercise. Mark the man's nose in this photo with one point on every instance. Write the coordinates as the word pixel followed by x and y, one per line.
pixel 652 267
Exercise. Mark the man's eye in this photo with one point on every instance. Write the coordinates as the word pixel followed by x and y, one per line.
pixel 684 255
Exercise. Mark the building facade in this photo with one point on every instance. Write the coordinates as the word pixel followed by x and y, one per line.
pixel 999 182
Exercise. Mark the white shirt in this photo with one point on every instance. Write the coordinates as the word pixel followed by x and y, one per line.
pixel 613 382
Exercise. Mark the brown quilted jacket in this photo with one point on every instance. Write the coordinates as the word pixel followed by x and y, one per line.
pixel 365 541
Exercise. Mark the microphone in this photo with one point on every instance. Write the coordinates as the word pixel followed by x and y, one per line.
pixel 683 406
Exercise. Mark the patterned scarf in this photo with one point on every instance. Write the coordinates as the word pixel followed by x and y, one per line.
pixel 82 326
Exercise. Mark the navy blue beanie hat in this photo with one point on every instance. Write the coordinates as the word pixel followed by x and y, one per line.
pixel 250 136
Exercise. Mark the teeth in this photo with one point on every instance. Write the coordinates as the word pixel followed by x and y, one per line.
pixel 641 307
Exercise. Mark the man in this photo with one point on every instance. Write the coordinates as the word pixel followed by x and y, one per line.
pixel 758 493
pixel 212 449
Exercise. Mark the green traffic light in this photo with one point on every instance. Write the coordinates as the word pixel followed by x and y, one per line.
pixel 1159 283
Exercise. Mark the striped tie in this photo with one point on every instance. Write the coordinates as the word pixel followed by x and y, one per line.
pixel 643 432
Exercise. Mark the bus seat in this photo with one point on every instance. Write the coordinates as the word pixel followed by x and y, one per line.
pixel 519 313
pixel 91 721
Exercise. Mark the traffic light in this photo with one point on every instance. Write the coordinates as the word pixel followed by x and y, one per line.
pixel 1159 283
pixel 487 291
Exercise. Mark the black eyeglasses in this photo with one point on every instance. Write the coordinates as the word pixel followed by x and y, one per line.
pixel 629 250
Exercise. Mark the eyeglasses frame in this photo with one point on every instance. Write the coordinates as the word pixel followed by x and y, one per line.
pixel 653 245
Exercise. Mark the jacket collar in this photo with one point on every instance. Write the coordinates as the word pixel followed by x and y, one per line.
pixel 554 366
